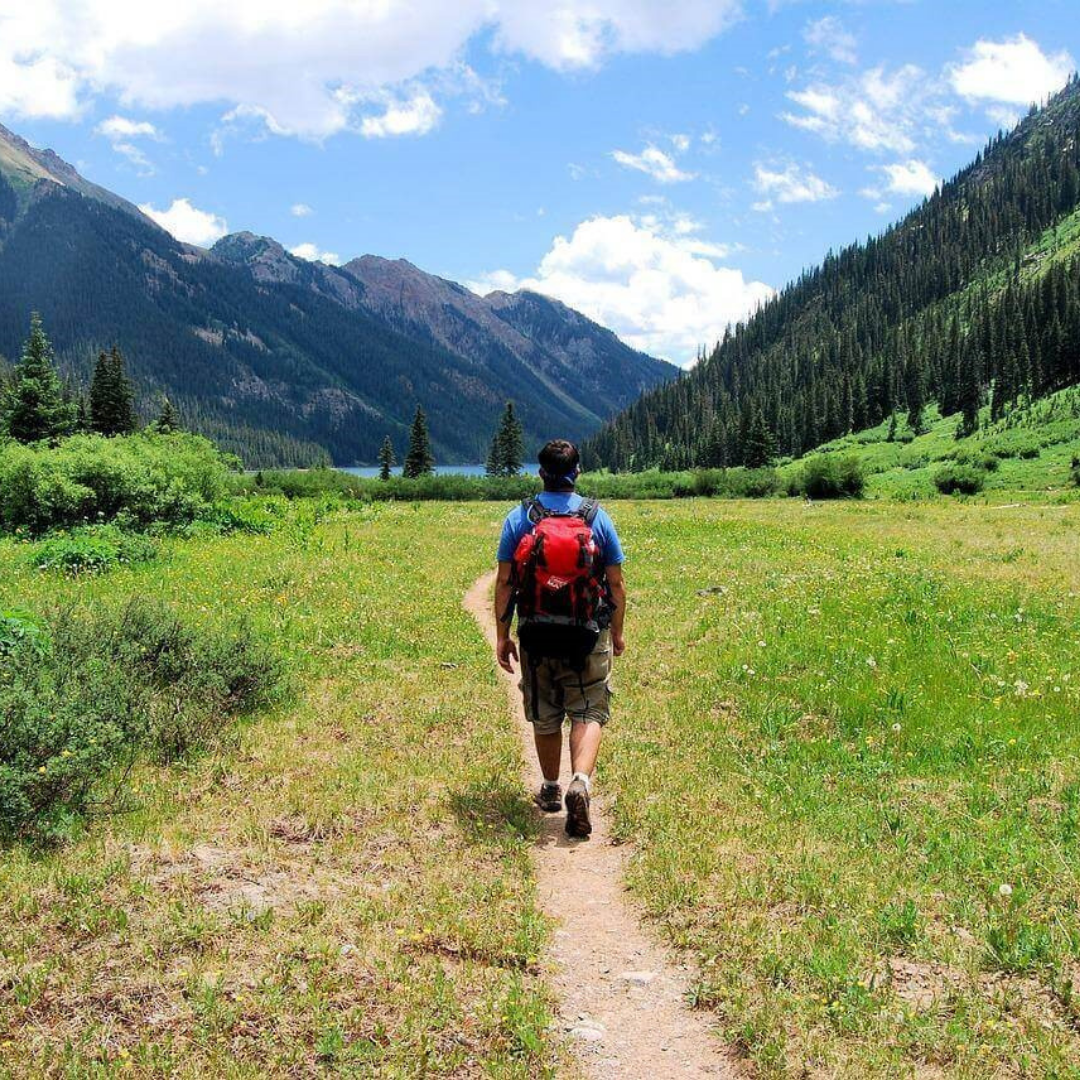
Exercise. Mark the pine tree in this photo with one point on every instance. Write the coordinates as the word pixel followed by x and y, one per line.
pixel 112 399
pixel 759 448
pixel 419 461
pixel 34 404
pixel 386 458
pixel 167 421
pixel 507 452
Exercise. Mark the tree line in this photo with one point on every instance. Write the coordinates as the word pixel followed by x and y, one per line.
pixel 952 305
pixel 36 405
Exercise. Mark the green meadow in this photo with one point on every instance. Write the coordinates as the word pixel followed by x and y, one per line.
pixel 845 750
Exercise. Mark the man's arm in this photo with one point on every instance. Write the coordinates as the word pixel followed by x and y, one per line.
pixel 505 649
pixel 617 588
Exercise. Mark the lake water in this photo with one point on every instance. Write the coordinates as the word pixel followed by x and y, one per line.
pixel 441 470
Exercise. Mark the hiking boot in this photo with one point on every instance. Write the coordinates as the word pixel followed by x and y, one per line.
pixel 577 810
pixel 549 798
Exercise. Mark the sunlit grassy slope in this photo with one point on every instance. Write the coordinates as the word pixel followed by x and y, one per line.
pixel 1033 449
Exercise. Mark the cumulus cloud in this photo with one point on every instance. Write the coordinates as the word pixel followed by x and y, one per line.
pixel 188 223
pixel 790 184
pixel 660 290
pixel 415 115
pixel 827 35
pixel 877 110
pixel 312 253
pixel 1015 71
pixel 301 210
pixel 309 69
pixel 905 178
pixel 653 162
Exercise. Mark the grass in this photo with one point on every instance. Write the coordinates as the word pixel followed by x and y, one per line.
pixel 1035 446
pixel 845 746
pixel 346 887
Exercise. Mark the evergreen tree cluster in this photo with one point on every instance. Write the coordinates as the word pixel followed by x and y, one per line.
pixel 36 406
pixel 943 306
pixel 507 452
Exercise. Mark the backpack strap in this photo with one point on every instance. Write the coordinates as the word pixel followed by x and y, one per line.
pixel 534 509
pixel 588 510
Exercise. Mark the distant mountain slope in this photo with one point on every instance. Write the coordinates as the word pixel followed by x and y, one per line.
pixel 282 360
pixel 974 296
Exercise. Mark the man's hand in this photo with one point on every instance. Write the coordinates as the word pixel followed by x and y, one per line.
pixel 506 651
pixel 618 644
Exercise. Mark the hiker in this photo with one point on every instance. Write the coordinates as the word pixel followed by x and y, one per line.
pixel 560 569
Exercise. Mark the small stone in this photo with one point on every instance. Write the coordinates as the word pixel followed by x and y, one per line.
pixel 588 1032
pixel 638 978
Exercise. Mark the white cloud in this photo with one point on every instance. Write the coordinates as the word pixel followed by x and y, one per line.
pixel 653 162
pixel 876 110
pixel 312 253
pixel 308 69
pixel 1015 71
pixel 790 184
pixel 416 115
pixel 122 127
pixel 121 131
pixel 301 210
pixel 658 290
pixel 908 178
pixel 828 36
pixel 188 223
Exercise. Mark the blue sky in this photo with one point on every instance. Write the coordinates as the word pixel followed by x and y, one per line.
pixel 661 166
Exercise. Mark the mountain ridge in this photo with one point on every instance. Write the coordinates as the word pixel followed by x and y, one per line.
pixel 281 359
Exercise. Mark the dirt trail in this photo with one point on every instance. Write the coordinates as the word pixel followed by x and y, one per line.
pixel 620 992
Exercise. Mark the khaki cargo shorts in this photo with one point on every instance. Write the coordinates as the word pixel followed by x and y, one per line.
pixel 554 691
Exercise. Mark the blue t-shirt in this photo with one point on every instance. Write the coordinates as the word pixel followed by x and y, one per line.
pixel 517 524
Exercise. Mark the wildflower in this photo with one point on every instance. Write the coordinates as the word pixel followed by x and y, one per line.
pixel 761 644
pixel 871 662
pixel 1005 890
pixel 896 729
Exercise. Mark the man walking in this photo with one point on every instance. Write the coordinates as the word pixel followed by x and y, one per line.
pixel 560 568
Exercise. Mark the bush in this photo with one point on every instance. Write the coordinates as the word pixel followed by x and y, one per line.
pixel 1074 471
pixel 831 477
pixel 134 480
pixel 93 549
pixel 959 480
pixel 105 688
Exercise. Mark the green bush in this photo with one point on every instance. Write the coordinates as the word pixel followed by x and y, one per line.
pixel 134 480
pixel 828 476
pixel 105 688
pixel 959 480
pixel 1074 471
pixel 92 549
pixel 18 629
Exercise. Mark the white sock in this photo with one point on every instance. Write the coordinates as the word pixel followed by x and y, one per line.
pixel 551 783
pixel 585 779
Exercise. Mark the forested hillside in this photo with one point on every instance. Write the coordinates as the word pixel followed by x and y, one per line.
pixel 973 297
pixel 283 361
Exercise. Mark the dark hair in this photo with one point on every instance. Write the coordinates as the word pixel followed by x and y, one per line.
pixel 559 460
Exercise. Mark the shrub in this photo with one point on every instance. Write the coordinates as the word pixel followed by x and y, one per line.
pixel 18 629
pixel 831 477
pixel 106 688
pixel 979 458
pixel 1074 470
pixel 135 480
pixel 92 549
pixel 959 480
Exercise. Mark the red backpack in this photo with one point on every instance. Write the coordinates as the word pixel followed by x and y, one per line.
pixel 559 588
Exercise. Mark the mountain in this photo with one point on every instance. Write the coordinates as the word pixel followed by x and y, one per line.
pixel 973 298
pixel 287 361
